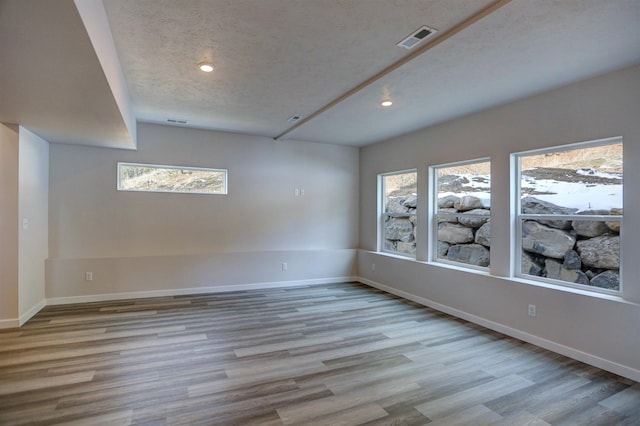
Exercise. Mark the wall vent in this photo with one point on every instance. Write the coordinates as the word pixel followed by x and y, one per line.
pixel 294 119
pixel 417 36
pixel 176 121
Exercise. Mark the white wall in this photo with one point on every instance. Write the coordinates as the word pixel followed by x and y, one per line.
pixel 599 329
pixel 9 145
pixel 92 225
pixel 24 189
pixel 34 235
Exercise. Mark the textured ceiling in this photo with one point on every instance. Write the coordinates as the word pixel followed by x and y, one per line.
pixel 274 58
pixel 278 58
pixel 526 47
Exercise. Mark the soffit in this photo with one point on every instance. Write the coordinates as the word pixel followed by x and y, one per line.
pixel 51 80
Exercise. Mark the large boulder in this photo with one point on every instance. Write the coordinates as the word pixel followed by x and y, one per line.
pixel 590 228
pixel 468 202
pixel 483 235
pixel 406 248
pixel 556 271
pixel 549 242
pixel 472 254
pixel 411 202
pixel 396 205
pixel 530 266
pixel 600 252
pixel 607 279
pixel 454 233
pixel 447 201
pixel 450 219
pixel 474 218
pixel 532 205
pixel 389 245
pixel 614 225
pixel 572 260
pixel 398 229
pixel 443 248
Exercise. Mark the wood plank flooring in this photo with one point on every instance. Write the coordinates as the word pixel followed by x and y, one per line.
pixel 338 354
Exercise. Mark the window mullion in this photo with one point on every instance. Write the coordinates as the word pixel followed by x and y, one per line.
pixel 602 218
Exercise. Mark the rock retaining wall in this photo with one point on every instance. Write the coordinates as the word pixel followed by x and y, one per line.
pixel 400 229
pixel 578 251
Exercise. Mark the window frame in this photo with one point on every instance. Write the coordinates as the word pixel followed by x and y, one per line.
pixel 172 167
pixel 520 218
pixel 433 243
pixel 382 215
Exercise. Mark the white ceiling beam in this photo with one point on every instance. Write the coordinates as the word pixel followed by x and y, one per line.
pixel 443 36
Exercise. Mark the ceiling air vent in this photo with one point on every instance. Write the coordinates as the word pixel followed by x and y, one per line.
pixel 176 121
pixel 417 36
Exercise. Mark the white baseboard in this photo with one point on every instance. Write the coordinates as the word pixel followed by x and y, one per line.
pixel 31 312
pixel 9 323
pixel 587 358
pixel 193 290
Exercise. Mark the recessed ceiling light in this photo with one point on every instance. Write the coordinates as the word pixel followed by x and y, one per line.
pixel 386 103
pixel 205 66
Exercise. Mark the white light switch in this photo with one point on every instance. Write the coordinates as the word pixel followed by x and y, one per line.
pixel 25 223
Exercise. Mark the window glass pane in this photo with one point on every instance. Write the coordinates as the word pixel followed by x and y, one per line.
pixel 586 181
pixel 464 205
pixel 400 198
pixel 590 257
pixel 152 178
pixel 574 180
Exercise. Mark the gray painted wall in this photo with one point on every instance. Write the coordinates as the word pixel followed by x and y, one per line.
pixel 24 189
pixel 9 144
pixel 600 328
pixel 90 221
pixel 34 235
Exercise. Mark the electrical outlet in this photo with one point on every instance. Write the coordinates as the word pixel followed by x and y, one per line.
pixel 284 266
pixel 88 276
pixel 373 266
pixel 532 311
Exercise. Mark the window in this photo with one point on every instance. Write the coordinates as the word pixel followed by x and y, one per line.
pixel 462 208
pixel 570 213
pixel 154 178
pixel 399 198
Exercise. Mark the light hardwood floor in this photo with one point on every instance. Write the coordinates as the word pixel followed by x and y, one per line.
pixel 338 354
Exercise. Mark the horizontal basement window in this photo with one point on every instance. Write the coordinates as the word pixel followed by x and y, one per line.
pixel 177 179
